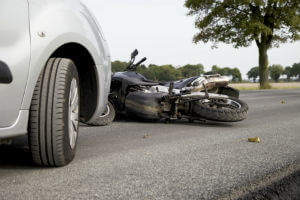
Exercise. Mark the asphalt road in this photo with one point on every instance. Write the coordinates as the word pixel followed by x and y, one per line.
pixel 176 161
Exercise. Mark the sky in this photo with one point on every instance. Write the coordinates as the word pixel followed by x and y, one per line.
pixel 162 32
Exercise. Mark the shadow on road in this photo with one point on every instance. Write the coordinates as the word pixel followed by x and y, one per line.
pixel 178 122
pixel 175 123
pixel 16 155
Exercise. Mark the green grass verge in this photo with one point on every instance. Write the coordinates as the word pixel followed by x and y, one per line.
pixel 255 86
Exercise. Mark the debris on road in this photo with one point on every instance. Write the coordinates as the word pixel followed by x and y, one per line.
pixel 283 102
pixel 256 139
pixel 145 136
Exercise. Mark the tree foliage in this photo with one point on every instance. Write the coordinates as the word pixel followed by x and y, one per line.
pixel 253 73
pixel 236 75
pixel 296 70
pixel 288 72
pixel 118 66
pixel 170 73
pixel 226 71
pixel 191 70
pixel 275 72
pixel 164 73
pixel 267 22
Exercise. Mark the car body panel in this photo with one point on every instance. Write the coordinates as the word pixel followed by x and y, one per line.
pixel 18 128
pixel 15 52
pixel 54 23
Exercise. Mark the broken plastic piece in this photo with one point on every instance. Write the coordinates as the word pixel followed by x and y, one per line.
pixel 145 136
pixel 256 139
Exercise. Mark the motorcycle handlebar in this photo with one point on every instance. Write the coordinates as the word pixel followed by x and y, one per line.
pixel 141 61
pixel 132 66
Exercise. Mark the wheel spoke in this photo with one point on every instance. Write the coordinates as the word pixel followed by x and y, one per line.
pixel 74 107
pixel 75 125
pixel 75 97
pixel 73 113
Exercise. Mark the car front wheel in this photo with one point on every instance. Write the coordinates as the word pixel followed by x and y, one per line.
pixel 54 114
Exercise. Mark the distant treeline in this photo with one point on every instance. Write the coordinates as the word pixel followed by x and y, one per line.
pixel 276 71
pixel 171 73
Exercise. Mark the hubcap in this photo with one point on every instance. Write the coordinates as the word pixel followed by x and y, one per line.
pixel 73 113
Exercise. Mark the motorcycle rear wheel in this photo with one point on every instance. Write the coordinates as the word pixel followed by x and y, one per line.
pixel 233 110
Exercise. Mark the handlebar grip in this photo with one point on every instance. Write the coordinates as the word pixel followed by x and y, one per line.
pixel 141 61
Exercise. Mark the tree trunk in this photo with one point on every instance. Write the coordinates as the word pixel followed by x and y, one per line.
pixel 263 67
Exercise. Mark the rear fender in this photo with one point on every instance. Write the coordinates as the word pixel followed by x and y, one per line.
pixel 229 91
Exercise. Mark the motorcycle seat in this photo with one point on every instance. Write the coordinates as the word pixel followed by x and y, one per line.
pixel 182 83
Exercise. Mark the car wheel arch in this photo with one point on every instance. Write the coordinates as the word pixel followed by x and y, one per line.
pixel 86 67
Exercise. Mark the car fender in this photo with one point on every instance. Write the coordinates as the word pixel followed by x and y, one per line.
pixel 58 22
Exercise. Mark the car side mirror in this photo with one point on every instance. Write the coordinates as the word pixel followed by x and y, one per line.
pixel 134 53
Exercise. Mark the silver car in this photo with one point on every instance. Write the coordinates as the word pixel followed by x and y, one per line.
pixel 55 71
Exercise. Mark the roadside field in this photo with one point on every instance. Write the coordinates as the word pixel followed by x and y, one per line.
pixel 255 86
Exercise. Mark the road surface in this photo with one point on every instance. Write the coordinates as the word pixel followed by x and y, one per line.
pixel 174 161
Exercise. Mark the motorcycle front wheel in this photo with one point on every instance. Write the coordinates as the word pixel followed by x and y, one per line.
pixel 106 118
pixel 227 110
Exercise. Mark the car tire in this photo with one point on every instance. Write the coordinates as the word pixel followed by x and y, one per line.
pixel 106 118
pixel 54 114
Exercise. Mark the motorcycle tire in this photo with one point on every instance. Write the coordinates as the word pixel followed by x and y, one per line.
pixel 222 114
pixel 106 118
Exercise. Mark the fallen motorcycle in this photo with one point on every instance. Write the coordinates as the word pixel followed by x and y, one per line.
pixel 196 98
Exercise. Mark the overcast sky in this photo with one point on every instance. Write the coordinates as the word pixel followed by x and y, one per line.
pixel 162 32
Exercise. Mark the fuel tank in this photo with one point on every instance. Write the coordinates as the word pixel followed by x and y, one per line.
pixel 144 105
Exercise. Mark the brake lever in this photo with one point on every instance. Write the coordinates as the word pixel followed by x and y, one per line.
pixel 133 67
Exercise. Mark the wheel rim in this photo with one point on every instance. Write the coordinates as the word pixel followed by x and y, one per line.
pixel 234 104
pixel 106 112
pixel 73 113
pixel 228 104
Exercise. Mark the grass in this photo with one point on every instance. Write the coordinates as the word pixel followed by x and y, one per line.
pixel 255 86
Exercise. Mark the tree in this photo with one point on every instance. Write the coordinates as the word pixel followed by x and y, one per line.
pixel 236 75
pixel 151 72
pixel 275 72
pixel 168 73
pixel 216 70
pixel 226 71
pixel 118 66
pixel 191 70
pixel 253 73
pixel 160 73
pixel 288 72
pixel 267 22
pixel 296 70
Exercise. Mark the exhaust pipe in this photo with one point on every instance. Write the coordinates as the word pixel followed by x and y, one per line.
pixel 204 95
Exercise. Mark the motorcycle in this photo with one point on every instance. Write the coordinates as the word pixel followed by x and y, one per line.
pixel 206 97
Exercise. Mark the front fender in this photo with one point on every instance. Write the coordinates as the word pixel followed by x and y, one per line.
pixel 58 22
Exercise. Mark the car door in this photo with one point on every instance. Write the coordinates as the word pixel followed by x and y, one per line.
pixel 14 58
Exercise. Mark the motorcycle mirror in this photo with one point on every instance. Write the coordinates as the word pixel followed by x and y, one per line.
pixel 134 53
